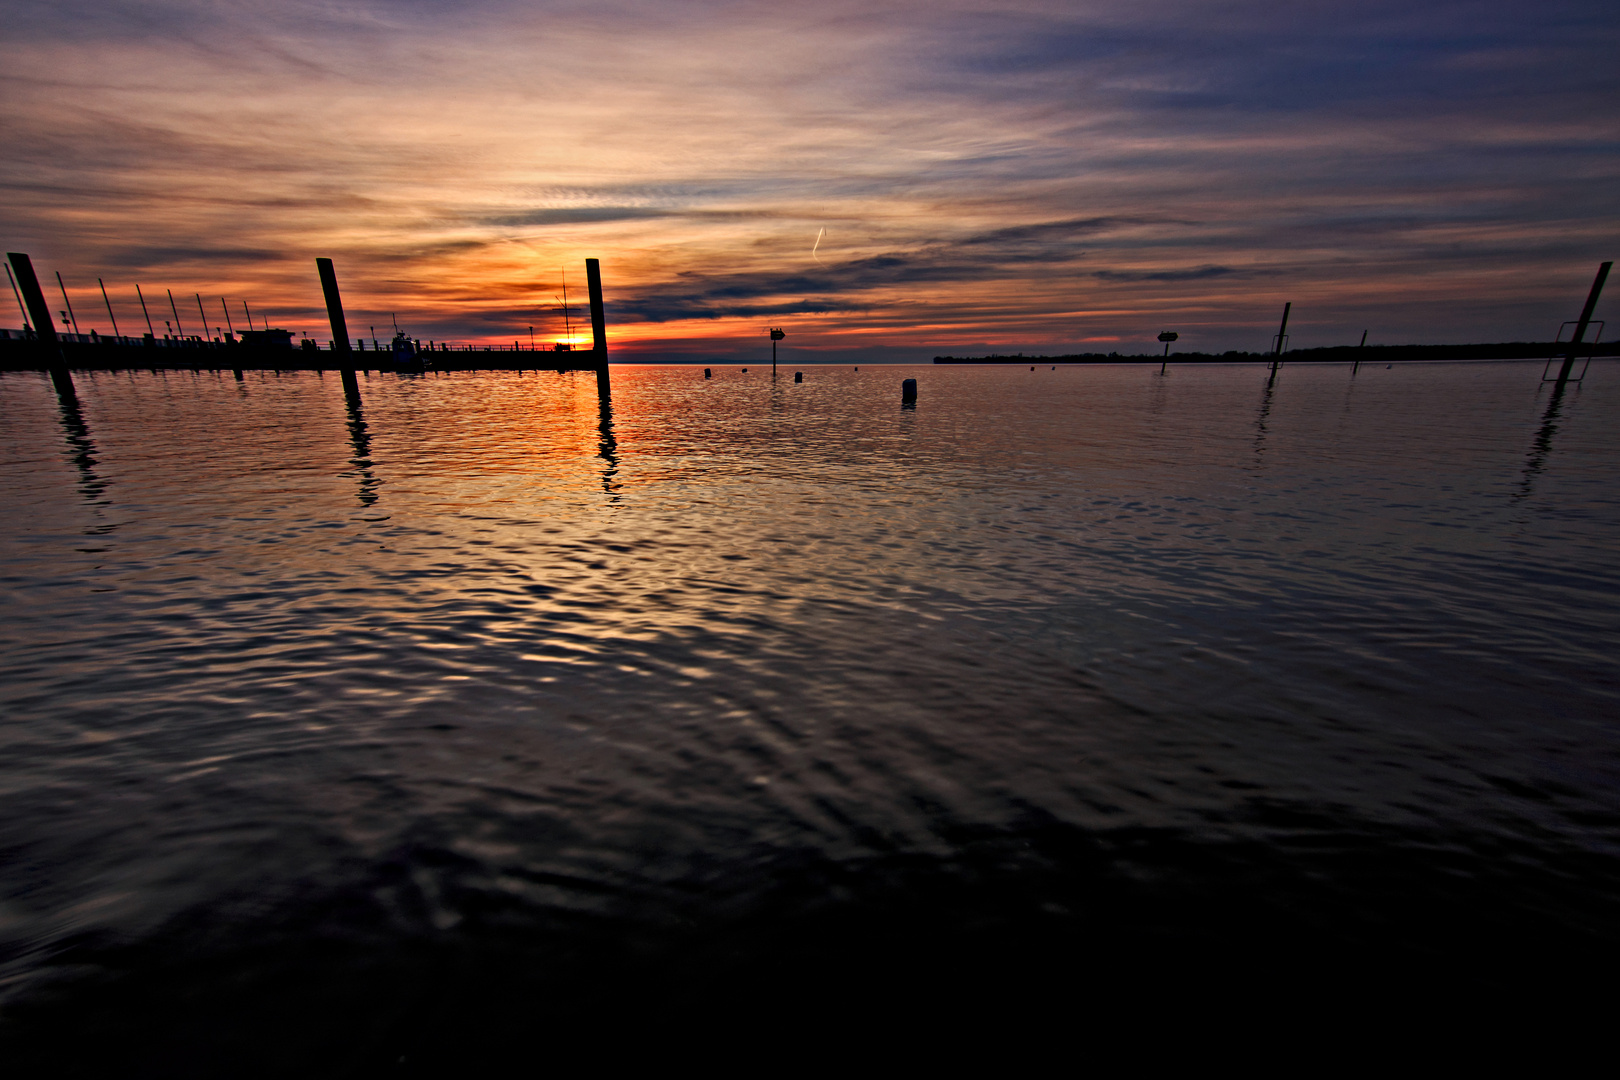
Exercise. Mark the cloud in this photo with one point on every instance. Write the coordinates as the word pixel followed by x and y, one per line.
pixel 577 215
pixel 1197 274
pixel 992 172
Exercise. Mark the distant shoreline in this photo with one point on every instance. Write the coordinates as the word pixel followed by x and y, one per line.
pixel 1339 354
pixel 131 353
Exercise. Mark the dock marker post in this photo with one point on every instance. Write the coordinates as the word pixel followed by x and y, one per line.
pixel 1586 320
pixel 908 392
pixel 1282 340
pixel 1167 337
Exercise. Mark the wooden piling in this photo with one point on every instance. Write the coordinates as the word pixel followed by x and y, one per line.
pixel 334 307
pixel 593 279
pixel 33 298
pixel 908 391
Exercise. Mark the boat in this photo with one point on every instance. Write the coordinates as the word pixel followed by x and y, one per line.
pixel 405 355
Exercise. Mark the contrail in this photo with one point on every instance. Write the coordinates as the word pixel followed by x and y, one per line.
pixel 813 254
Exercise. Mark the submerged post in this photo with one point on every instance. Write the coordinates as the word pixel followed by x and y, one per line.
pixel 334 306
pixel 908 392
pixel 23 268
pixel 593 279
pixel 1586 320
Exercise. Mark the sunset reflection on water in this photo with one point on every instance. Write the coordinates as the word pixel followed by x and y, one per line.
pixel 717 661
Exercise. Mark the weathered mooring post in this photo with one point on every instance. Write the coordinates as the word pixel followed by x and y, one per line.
pixel 593 280
pixel 908 392
pixel 340 330
pixel 1586 320
pixel 1281 340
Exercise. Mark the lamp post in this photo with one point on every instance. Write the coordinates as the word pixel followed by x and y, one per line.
pixel 776 335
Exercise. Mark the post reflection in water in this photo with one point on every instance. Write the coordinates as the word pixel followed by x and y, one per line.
pixel 1541 447
pixel 609 450
pixel 78 437
pixel 360 436
pixel 1260 421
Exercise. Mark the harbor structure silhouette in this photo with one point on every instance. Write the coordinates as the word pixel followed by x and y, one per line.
pixel 40 346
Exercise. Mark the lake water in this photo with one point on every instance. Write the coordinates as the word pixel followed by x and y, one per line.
pixel 345 739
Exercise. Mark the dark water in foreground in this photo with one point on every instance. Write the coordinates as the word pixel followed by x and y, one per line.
pixel 480 719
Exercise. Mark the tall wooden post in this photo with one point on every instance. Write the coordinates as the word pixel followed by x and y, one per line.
pixel 334 306
pixel 593 279
pixel 340 332
pixel 23 268
pixel 1586 320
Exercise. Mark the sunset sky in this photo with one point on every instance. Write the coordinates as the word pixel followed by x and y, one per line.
pixel 883 180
